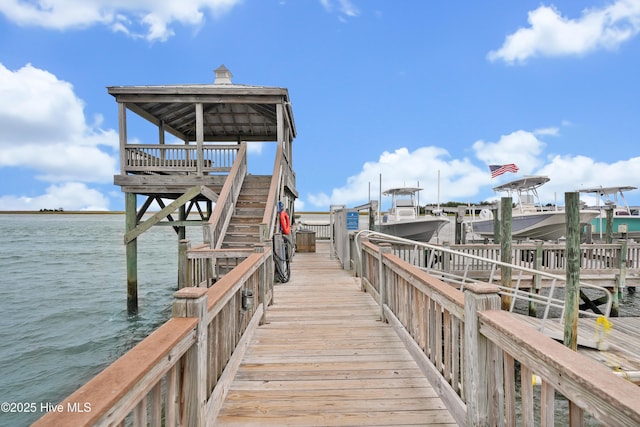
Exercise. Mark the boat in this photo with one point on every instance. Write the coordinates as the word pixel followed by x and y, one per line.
pixel 529 219
pixel 403 219
pixel 625 219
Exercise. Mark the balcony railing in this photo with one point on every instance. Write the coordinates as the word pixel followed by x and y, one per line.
pixel 180 159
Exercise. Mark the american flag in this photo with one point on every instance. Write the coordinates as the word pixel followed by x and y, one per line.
pixel 497 170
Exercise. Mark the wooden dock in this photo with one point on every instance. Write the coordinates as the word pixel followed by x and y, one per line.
pixel 622 351
pixel 325 358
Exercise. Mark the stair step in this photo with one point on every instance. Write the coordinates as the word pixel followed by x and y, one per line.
pixel 244 228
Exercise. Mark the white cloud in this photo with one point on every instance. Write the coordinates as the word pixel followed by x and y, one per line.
pixel 69 196
pixel 570 173
pixel 403 167
pixel 551 34
pixel 43 127
pixel 520 147
pixel 127 16
pixel 344 7
pixel 462 181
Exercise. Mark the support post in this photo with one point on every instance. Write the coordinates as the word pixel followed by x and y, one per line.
pixel 572 295
pixel 459 226
pixel 609 225
pixel 192 302
pixel 481 358
pixel 497 238
pixel 262 284
pixel 620 279
pixel 184 278
pixel 384 248
pixel 182 230
pixel 131 221
pixel 537 279
pixel 505 247
pixel 199 139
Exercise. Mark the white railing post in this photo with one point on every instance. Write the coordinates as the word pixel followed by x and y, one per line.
pixel 192 302
pixel 484 395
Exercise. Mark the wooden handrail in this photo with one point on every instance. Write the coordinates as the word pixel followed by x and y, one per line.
pixel 610 399
pixel 270 209
pixel 223 209
pixel 436 323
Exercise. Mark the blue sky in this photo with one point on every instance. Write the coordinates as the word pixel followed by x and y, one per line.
pixel 408 90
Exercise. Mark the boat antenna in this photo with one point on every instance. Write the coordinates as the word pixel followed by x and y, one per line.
pixel 379 196
pixel 438 201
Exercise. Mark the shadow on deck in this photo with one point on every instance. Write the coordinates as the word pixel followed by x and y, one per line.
pixel 325 358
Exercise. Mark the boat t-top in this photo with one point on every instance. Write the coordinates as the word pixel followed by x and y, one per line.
pixel 625 219
pixel 403 219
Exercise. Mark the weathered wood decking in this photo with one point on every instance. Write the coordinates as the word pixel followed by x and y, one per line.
pixel 324 358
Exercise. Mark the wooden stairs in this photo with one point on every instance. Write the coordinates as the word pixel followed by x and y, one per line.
pixel 243 231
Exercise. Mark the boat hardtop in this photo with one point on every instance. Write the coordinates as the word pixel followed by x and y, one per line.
pixel 402 191
pixel 529 182
pixel 604 191
pixel 612 196
pixel 527 190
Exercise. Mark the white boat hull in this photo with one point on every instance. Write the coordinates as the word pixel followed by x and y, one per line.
pixel 549 225
pixel 420 229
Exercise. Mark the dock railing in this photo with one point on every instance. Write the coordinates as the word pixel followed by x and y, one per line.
pixel 525 284
pixel 612 260
pixel 323 231
pixel 179 375
pixel 470 350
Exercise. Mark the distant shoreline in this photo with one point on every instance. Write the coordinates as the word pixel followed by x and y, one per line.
pixel 61 212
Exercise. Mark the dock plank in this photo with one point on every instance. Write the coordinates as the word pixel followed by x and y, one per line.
pixel 325 358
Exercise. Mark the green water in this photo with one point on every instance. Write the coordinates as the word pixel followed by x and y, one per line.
pixel 63 303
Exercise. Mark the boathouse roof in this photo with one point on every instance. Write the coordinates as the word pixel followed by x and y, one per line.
pixel 232 112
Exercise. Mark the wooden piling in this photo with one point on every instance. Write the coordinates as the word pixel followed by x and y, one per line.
pixel 497 238
pixel 572 291
pixel 609 226
pixel 131 221
pixel 505 247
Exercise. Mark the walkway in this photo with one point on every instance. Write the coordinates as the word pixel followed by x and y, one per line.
pixel 325 359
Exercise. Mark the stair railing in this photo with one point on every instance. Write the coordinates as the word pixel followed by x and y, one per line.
pixel 267 227
pixel 225 205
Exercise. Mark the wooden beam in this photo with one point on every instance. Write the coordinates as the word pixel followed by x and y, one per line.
pixel 156 121
pixel 170 208
pixel 209 193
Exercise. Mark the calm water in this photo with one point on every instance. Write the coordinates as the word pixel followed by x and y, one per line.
pixel 63 302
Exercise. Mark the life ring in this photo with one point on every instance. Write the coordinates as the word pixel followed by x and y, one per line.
pixel 285 224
